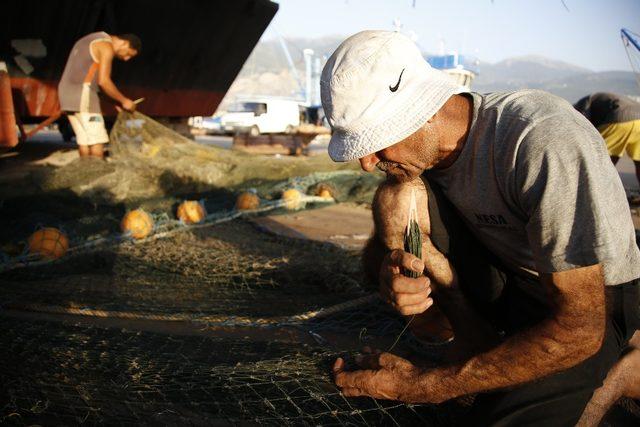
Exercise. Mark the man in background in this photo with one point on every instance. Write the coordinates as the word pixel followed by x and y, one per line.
pixel 617 118
pixel 89 68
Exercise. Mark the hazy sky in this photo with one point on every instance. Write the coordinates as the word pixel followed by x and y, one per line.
pixel 588 34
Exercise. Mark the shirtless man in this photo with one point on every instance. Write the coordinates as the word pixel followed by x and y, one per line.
pixel 89 68
pixel 529 249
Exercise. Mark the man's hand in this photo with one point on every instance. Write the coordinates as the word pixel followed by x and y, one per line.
pixel 384 376
pixel 128 105
pixel 408 296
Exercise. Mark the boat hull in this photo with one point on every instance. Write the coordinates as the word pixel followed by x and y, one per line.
pixel 192 49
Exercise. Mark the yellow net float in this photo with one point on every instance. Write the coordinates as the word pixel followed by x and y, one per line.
pixel 292 199
pixel 137 223
pixel 48 242
pixel 191 212
pixel 247 201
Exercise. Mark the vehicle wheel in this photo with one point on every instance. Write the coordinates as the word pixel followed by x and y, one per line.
pixel 254 131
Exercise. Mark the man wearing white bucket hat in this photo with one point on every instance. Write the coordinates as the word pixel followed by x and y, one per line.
pixel 517 204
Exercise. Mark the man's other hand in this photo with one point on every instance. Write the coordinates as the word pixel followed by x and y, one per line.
pixel 128 105
pixel 408 296
pixel 383 376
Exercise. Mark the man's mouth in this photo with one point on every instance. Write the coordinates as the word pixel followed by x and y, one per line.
pixel 386 166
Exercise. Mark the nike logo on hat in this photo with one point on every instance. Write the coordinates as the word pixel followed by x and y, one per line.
pixel 395 88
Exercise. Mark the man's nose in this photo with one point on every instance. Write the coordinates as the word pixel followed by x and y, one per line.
pixel 369 162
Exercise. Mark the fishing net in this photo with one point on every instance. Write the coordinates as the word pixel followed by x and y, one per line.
pixel 260 353
pixel 72 374
pixel 155 168
pixel 231 270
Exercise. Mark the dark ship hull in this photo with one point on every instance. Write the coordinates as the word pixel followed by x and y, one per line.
pixel 192 49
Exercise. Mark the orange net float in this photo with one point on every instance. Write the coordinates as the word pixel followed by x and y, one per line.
pixel 325 194
pixel 191 212
pixel 137 223
pixel 48 242
pixel 292 199
pixel 247 201
pixel 325 191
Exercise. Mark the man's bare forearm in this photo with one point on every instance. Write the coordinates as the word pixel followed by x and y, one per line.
pixel 527 356
pixel 112 91
pixel 574 333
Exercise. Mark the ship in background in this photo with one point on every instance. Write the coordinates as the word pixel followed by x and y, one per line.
pixel 461 68
pixel 192 51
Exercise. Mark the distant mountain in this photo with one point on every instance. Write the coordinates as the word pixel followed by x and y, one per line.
pixel 267 72
pixel 575 87
pixel 269 56
pixel 526 70
pixel 561 78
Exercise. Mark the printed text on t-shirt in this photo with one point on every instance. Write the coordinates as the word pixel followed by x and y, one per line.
pixel 489 219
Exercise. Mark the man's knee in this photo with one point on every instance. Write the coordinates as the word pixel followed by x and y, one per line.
pixel 390 208
pixel 84 150
pixel 97 150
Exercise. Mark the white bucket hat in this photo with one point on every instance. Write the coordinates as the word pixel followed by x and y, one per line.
pixel 376 90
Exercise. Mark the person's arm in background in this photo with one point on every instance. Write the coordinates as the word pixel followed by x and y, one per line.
pixel 104 53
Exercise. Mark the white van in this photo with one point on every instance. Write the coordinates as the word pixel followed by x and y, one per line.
pixel 256 116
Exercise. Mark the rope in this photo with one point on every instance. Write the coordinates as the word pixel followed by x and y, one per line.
pixel 232 321
pixel 170 228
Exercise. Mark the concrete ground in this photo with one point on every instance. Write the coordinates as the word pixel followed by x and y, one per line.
pixel 345 225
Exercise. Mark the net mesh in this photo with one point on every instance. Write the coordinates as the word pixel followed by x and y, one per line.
pixel 98 373
pixel 76 374
pixel 229 269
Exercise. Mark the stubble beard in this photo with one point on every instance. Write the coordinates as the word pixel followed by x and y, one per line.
pixel 395 171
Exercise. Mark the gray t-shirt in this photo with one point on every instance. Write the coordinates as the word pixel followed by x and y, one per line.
pixel 534 182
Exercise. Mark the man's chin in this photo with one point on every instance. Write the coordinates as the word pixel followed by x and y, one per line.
pixel 400 176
